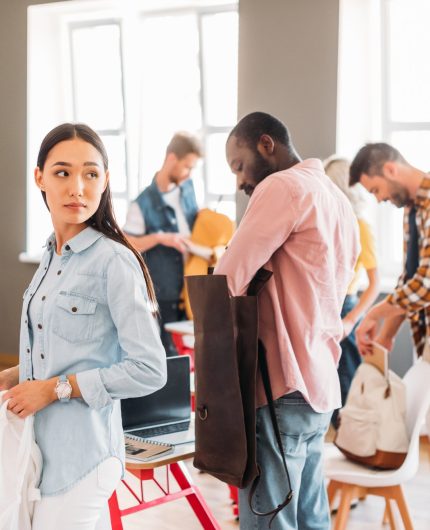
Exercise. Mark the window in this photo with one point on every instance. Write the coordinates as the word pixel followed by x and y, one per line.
pixel 96 58
pixel 193 74
pixel 383 80
pixel 136 75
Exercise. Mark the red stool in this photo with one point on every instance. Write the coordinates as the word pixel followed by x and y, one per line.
pixel 234 496
pixel 182 349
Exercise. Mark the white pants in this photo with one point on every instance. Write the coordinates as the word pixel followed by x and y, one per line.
pixel 85 506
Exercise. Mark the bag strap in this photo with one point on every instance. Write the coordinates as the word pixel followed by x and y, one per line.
pixel 256 285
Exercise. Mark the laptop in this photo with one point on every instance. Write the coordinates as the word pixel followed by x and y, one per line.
pixel 165 415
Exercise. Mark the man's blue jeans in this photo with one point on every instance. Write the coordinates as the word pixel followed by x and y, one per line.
pixel 302 431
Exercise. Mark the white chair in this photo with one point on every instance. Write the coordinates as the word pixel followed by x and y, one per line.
pixel 355 481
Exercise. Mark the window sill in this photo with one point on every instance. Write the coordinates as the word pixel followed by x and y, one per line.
pixel 25 257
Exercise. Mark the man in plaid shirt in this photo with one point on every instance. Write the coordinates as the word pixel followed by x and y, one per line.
pixel 383 171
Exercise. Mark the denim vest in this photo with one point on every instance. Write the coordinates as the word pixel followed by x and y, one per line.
pixel 166 264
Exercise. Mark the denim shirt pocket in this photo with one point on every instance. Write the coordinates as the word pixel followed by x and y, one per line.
pixel 73 318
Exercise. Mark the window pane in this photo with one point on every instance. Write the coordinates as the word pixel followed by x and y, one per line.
pixel 98 76
pixel 221 180
pixel 389 237
pixel 170 85
pixel 409 44
pixel 115 147
pixel 120 210
pixel 220 67
pixel 199 183
pixel 414 146
pixel 228 208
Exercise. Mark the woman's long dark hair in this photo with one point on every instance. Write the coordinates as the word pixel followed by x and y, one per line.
pixel 103 219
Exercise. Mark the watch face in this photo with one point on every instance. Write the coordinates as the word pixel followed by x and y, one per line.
pixel 63 389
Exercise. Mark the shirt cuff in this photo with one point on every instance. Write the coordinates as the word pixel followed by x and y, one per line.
pixel 92 389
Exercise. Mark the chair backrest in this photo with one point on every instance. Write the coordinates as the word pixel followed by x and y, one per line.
pixel 417 382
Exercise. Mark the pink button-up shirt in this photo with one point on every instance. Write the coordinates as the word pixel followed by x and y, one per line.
pixel 299 225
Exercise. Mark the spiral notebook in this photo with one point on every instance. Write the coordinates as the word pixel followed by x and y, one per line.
pixel 145 450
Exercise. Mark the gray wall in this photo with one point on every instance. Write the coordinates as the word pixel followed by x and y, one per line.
pixel 288 53
pixel 288 67
pixel 14 276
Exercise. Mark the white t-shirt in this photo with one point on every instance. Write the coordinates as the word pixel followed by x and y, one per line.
pixel 135 222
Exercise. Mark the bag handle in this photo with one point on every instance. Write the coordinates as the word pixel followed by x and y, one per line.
pixel 256 285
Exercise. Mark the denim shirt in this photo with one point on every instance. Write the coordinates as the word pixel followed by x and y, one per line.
pixel 96 323
pixel 166 264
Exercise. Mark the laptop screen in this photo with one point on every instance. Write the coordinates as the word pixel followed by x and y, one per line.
pixel 169 404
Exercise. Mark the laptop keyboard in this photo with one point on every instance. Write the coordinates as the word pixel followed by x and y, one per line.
pixel 163 429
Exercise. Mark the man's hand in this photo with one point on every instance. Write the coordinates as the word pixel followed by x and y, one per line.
pixel 173 240
pixel 9 378
pixel 365 334
pixel 30 396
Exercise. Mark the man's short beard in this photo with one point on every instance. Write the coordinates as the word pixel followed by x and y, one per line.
pixel 399 195
pixel 261 168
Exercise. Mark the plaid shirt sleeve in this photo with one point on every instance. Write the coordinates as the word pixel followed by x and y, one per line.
pixel 414 294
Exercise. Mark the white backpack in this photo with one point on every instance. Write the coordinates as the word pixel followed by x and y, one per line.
pixel 372 427
pixel 20 469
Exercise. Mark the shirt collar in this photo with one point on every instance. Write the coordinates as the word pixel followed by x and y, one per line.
pixel 78 243
pixel 422 198
pixel 314 163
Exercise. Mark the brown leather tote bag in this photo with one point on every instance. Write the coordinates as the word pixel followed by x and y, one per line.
pixel 227 354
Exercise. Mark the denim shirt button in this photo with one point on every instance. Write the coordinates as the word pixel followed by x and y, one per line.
pixel 67 247
pixel 39 326
pixel 74 309
pixel 58 273
pixel 42 356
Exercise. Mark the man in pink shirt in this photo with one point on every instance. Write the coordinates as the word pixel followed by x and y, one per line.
pixel 301 227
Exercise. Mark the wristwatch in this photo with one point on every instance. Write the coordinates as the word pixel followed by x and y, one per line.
pixel 63 389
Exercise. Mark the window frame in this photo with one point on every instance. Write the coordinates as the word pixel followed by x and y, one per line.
pixel 54 53
pixel 206 129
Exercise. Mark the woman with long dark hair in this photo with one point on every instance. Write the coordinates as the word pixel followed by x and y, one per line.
pixel 88 336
